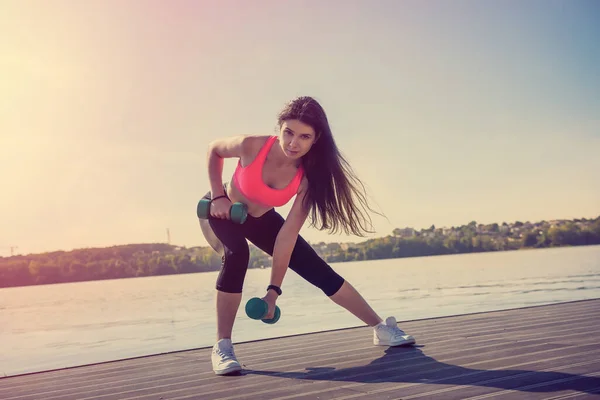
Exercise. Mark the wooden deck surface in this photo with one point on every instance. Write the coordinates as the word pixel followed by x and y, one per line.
pixel 544 352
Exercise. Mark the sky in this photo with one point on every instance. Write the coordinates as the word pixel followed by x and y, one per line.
pixel 449 112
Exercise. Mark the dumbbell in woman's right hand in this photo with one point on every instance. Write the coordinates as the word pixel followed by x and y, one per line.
pixel 222 208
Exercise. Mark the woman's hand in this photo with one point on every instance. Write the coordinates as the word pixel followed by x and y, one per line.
pixel 220 207
pixel 270 298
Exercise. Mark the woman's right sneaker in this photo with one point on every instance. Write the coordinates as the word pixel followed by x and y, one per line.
pixel 223 358
pixel 389 334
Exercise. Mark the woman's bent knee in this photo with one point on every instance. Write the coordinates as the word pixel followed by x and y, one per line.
pixel 332 284
pixel 307 263
pixel 233 269
pixel 228 289
pixel 325 278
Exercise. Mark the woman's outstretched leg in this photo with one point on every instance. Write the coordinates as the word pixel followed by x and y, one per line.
pixel 309 265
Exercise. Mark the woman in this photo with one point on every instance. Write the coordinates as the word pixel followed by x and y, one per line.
pixel 302 161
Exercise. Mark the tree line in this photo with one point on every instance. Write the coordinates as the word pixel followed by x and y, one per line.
pixel 152 259
pixel 469 238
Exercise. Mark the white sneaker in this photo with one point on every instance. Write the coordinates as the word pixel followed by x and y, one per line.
pixel 223 358
pixel 389 334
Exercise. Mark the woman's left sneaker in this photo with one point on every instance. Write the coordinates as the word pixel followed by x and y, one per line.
pixel 389 334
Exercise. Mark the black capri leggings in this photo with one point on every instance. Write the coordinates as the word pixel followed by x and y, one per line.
pixel 262 232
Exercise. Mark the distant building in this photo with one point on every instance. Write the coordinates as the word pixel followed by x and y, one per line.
pixel 404 232
pixel 556 222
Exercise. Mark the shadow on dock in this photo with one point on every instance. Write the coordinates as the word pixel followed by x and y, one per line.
pixel 411 365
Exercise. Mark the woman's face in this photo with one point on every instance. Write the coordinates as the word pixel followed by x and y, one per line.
pixel 296 138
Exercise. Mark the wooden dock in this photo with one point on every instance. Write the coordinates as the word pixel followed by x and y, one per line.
pixel 542 352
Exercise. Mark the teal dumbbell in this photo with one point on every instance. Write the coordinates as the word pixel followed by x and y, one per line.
pixel 238 211
pixel 257 308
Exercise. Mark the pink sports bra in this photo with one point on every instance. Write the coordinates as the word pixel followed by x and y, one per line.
pixel 249 181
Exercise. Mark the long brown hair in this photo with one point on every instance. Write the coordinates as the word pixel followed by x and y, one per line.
pixel 333 195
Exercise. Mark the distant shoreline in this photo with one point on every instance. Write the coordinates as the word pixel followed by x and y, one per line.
pixel 156 259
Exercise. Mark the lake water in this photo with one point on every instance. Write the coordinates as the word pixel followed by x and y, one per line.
pixel 54 326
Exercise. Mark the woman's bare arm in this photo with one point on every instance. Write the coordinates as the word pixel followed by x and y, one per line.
pixel 219 149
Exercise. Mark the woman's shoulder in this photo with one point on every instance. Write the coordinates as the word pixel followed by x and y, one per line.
pixel 255 140
pixel 251 144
